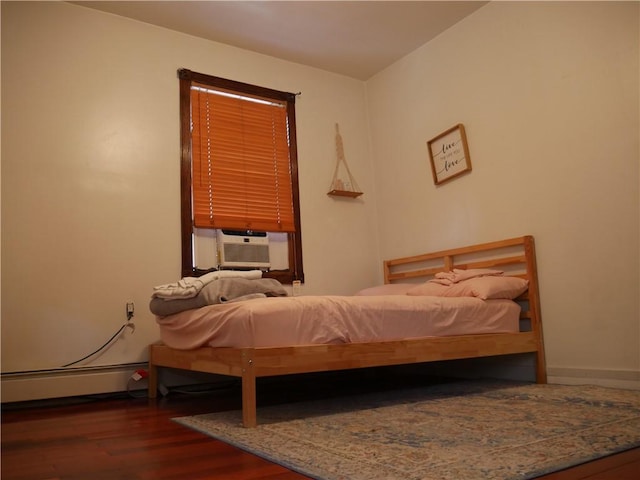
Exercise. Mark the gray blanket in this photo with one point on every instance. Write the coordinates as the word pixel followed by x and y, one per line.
pixel 223 290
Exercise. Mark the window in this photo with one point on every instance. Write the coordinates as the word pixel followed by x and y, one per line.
pixel 239 166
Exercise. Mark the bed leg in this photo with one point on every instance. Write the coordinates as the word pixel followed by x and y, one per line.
pixel 249 415
pixel 541 367
pixel 152 381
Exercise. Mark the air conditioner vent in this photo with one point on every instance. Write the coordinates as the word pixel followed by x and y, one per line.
pixel 243 249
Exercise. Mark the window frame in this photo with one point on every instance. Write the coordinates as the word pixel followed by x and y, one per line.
pixel 294 240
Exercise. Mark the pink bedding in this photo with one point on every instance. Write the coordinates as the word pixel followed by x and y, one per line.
pixel 287 321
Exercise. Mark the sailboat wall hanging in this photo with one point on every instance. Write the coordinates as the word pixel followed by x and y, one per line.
pixel 343 183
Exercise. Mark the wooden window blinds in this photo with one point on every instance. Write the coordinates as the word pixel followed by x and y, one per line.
pixel 241 169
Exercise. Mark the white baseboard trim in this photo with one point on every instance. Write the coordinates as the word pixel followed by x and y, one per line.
pixel 60 383
pixel 521 368
pixel 627 379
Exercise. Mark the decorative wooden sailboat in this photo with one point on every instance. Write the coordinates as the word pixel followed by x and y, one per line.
pixel 343 183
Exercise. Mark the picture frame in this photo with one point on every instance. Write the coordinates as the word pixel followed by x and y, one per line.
pixel 449 154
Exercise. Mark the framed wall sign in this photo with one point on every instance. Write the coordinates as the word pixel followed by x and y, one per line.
pixel 449 154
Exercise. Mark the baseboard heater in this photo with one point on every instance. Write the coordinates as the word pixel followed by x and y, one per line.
pixel 66 382
pixel 74 382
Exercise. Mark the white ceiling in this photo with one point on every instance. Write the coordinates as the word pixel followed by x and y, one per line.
pixel 354 38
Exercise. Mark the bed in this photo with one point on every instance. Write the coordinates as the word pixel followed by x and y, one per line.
pixel 263 358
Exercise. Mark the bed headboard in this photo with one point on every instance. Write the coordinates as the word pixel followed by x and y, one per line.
pixel 515 256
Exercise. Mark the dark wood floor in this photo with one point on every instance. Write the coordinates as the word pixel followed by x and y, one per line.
pixel 106 438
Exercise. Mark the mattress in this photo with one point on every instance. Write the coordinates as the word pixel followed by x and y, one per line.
pixel 310 320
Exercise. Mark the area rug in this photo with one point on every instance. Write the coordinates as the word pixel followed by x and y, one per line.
pixel 453 431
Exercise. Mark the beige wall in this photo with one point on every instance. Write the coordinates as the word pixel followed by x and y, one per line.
pixel 548 94
pixel 90 150
pixel 90 184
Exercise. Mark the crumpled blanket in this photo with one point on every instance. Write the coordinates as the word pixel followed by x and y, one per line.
pixel 222 290
pixel 459 275
pixel 189 287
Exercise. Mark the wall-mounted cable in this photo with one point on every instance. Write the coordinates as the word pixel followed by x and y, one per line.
pixel 129 324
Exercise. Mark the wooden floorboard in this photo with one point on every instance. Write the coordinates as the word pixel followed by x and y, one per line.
pixel 134 438
pixel 623 466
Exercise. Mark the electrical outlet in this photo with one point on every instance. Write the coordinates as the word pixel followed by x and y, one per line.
pixel 130 309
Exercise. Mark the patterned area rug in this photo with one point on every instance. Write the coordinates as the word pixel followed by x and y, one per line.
pixel 461 431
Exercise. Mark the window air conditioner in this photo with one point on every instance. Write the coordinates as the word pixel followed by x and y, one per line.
pixel 242 249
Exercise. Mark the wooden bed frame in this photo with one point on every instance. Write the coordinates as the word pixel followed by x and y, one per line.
pixel 515 256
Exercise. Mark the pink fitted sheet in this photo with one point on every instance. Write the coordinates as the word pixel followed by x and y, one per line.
pixel 308 320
